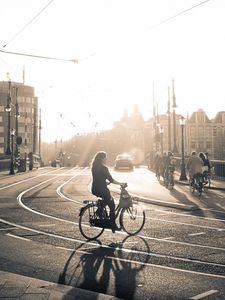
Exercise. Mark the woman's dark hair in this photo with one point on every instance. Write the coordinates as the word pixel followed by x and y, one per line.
pixel 98 159
pixel 202 156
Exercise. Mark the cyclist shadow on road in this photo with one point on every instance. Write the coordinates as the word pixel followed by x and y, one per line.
pixel 107 269
pixel 185 199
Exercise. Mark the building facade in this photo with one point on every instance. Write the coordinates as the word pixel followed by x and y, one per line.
pixel 201 134
pixel 23 102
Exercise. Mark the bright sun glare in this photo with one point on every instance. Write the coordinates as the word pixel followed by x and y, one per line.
pixel 120 54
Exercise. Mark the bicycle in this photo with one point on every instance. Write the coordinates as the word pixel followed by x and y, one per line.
pixel 206 180
pixel 169 179
pixel 94 217
pixel 196 183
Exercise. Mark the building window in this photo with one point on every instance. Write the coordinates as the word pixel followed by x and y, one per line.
pixel 1 150
pixel 1 139
pixel 201 118
pixel 192 131
pixel 1 129
pixel 25 142
pixel 21 99
pixel 1 118
pixel 192 145
pixel 214 131
pixel 208 131
pixel 201 145
pixel 25 128
pixel 200 131
pixel 2 108
pixel 208 145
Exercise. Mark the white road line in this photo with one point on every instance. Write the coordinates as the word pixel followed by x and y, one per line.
pixel 125 250
pixel 169 238
pixel 186 224
pixel 182 243
pixel 18 237
pixel 9 228
pixel 62 185
pixel 187 214
pixel 46 225
pixel 203 295
pixel 28 179
pixel 197 233
pixel 19 199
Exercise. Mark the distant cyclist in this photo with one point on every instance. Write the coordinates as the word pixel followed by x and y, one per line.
pixel 167 162
pixel 194 165
pixel 101 178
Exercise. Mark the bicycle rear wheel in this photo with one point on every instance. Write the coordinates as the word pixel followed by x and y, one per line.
pixel 89 222
pixel 207 182
pixel 132 219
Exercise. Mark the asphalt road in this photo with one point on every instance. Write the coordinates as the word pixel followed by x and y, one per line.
pixel 179 254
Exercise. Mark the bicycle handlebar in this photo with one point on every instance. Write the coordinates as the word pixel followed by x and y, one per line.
pixel 123 185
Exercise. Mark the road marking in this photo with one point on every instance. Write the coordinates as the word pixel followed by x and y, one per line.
pixel 22 181
pixel 46 225
pixel 126 250
pixel 62 185
pixel 197 233
pixel 17 237
pixel 186 224
pixel 19 200
pixel 169 238
pixel 9 228
pixel 203 295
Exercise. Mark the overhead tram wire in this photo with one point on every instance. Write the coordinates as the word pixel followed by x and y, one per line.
pixel 178 14
pixel 76 60
pixel 27 24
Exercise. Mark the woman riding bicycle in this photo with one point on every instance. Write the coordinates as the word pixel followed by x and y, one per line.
pixel 101 177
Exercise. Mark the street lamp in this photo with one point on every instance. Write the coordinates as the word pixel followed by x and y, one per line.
pixel 161 131
pixel 12 133
pixel 17 116
pixel 183 176
pixel 8 110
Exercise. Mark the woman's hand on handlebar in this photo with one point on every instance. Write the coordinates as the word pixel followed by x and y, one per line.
pixel 123 184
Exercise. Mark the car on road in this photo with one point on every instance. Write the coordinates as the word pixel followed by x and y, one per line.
pixel 124 161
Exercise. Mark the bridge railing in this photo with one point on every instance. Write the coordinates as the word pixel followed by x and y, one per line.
pixel 218 167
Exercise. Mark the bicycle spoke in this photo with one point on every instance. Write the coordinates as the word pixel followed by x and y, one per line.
pixel 132 219
pixel 89 222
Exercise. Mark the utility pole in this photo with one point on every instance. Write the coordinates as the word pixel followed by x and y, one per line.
pixel 17 116
pixel 169 121
pixel 39 138
pixel 8 110
pixel 174 120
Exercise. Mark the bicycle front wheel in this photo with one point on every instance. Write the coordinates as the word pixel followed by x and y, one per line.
pixel 87 222
pixel 132 219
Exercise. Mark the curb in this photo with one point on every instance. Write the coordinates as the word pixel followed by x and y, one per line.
pixel 34 288
pixel 161 203
pixel 210 188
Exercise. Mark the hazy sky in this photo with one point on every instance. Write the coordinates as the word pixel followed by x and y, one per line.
pixel 120 52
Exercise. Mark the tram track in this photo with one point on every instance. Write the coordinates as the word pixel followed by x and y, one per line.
pixel 183 260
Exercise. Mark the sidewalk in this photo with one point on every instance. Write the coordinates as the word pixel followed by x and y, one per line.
pixel 14 286
pixel 215 183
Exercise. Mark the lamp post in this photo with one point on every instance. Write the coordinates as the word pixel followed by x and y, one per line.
pixel 161 131
pixel 8 110
pixel 174 120
pixel 183 176
pixel 12 133
pixel 17 116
